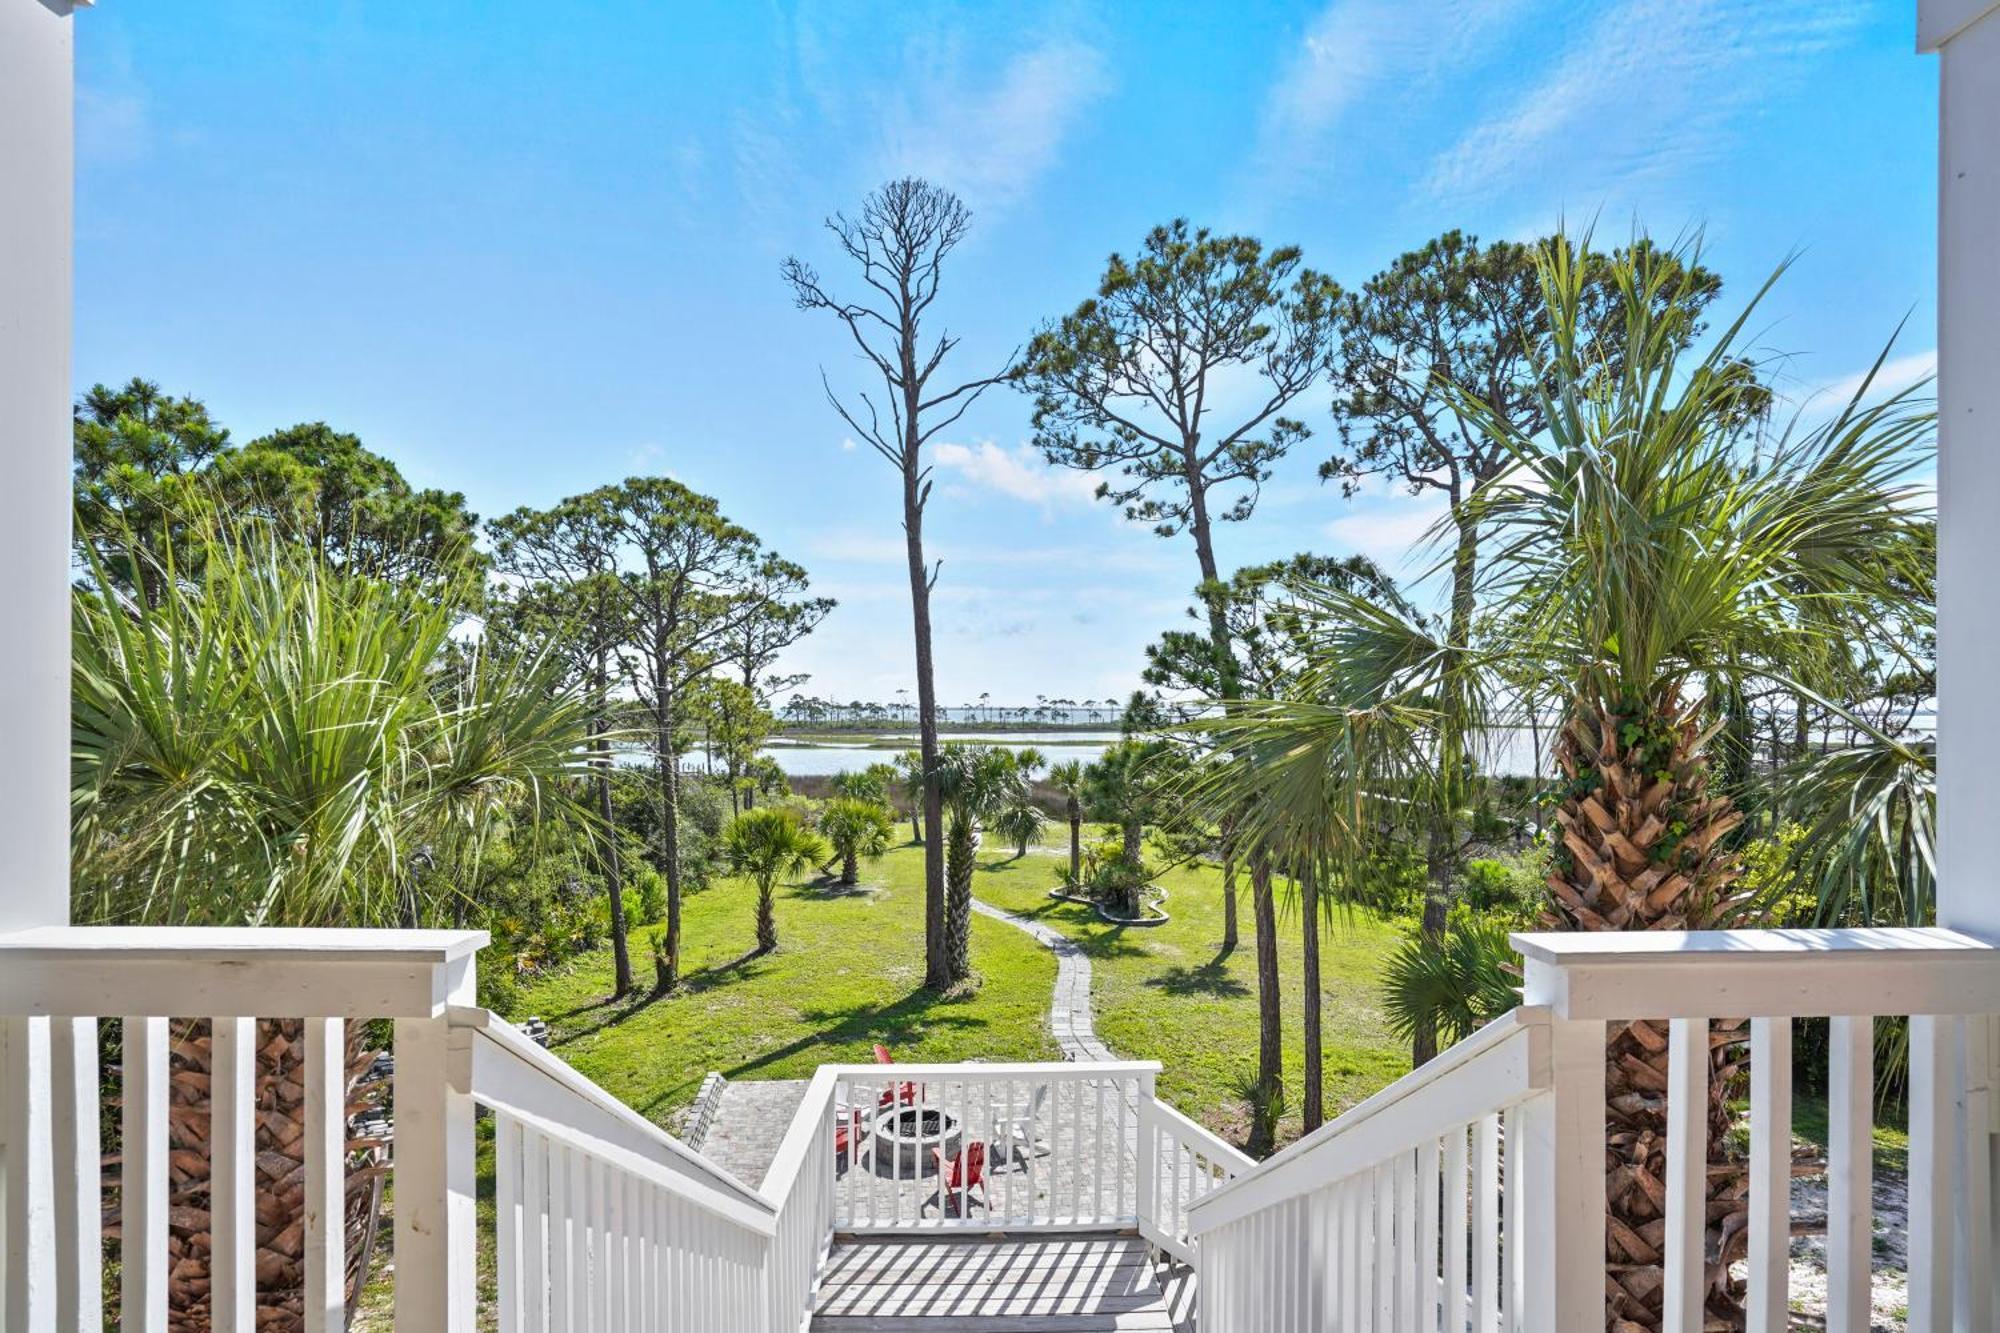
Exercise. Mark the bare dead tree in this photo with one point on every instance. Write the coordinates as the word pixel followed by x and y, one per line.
pixel 899 241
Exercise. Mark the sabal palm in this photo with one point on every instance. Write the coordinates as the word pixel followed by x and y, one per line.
pixel 1660 543
pixel 975 782
pixel 855 829
pixel 768 845
pixel 910 779
pixel 274 741
pixel 1067 778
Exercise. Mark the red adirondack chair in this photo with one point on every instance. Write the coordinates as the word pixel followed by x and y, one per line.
pixel 847 1136
pixel 906 1093
pixel 960 1175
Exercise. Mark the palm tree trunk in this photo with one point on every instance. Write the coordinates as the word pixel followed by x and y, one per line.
pixel 1075 842
pixel 958 901
pixel 850 867
pixel 279 1131
pixel 1620 866
pixel 1315 1106
pixel 1270 1014
pixel 767 917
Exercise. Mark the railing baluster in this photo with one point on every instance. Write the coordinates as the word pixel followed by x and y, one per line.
pixel 535 1275
pixel 1456 1228
pixel 1403 1170
pixel 1385 1248
pixel 30 1259
pixel 77 1184
pixel 1976 1276
pixel 1770 1175
pixel 1933 1168
pixel 1687 1173
pixel 326 1175
pixel 1353 1252
pixel 142 1249
pixel 1513 1194
pixel 507 1228
pixel 578 1176
pixel 1427 1236
pixel 1850 1169
pixel 232 1158
pixel 1486 1225
pixel 562 1311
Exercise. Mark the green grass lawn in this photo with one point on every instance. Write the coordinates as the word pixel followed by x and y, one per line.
pixel 845 975
pixel 1165 992
pixel 847 969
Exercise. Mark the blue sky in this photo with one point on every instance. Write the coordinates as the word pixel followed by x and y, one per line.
pixel 526 249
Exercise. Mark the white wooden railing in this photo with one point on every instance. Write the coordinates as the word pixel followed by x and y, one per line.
pixel 602 1223
pixel 1471 1194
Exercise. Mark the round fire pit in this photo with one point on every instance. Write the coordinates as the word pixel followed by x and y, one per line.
pixel 907 1136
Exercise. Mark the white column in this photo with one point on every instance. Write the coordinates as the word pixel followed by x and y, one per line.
pixel 35 171
pixel 1966 36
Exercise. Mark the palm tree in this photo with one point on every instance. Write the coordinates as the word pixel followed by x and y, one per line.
pixel 1124 788
pixel 768 845
pixel 1665 549
pixel 261 739
pixel 1030 761
pixel 1021 822
pixel 1067 778
pixel 853 829
pixel 910 778
pixel 975 782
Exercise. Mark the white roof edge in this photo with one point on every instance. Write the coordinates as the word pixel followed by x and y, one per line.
pixel 1938 21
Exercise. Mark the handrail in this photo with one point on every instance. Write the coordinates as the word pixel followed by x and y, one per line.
pixel 1210 1144
pixel 1665 974
pixel 1502 1064
pixel 718 1202
pixel 809 1120
pixel 560 1091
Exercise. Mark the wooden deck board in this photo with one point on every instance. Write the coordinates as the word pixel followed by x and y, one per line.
pixel 961 1284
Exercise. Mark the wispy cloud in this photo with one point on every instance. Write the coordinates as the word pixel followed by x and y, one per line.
pixel 1391 532
pixel 1354 50
pixel 986 114
pixel 990 140
pixel 1018 472
pixel 1897 374
pixel 1648 91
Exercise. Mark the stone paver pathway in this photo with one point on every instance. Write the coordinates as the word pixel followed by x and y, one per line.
pixel 1069 1011
pixel 750 1123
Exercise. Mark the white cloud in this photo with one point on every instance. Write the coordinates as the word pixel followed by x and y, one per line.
pixel 1647 91
pixel 1897 374
pixel 1352 50
pixel 1019 472
pixel 990 141
pixel 1392 534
